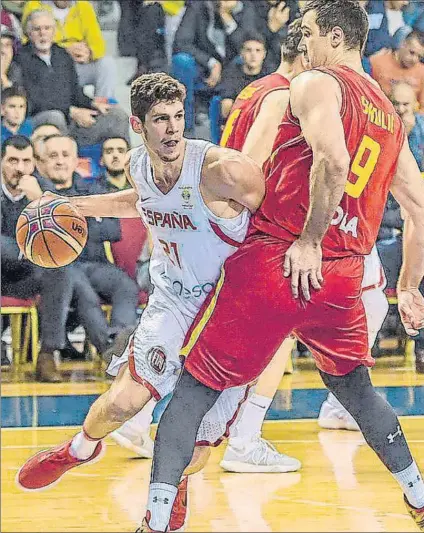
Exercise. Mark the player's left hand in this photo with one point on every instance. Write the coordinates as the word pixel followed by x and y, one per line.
pixel 411 310
pixel 303 262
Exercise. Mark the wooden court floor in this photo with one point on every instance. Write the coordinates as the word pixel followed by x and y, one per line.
pixel 341 486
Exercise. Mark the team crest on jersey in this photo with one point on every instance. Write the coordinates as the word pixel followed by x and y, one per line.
pixel 186 195
pixel 156 359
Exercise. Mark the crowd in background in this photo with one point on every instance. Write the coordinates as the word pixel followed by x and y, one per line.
pixel 63 129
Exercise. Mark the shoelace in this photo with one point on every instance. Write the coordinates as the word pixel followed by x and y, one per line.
pixel 263 451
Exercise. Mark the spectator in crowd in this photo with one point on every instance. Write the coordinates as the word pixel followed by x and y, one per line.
pixel 13 113
pixel 19 277
pixel 385 17
pixel 9 19
pixel 100 280
pixel 142 34
pixel 54 95
pixel 405 102
pixel 113 158
pixel 78 31
pixel 272 21
pixel 239 74
pixel 404 64
pixel 11 74
pixel 38 137
pixel 210 35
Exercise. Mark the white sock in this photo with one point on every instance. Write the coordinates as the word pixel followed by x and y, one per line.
pixel 81 447
pixel 160 502
pixel 412 485
pixel 252 417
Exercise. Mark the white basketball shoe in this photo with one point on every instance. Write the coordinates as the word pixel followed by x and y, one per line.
pixel 334 416
pixel 257 455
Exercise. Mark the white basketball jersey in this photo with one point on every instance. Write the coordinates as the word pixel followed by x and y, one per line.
pixel 190 243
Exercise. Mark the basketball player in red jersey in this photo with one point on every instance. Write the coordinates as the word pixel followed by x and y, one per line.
pixel 340 150
pixel 251 128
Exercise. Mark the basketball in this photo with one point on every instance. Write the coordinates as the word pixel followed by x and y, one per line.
pixel 51 233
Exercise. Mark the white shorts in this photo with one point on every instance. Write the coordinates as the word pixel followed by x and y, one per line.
pixel 153 353
pixel 373 297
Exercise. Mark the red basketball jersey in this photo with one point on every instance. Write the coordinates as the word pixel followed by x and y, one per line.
pixel 374 137
pixel 246 108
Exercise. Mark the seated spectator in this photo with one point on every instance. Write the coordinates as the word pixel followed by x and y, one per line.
pixel 11 74
pixel 54 95
pixel 38 137
pixel 209 36
pixel 19 277
pixel 78 31
pixel 402 65
pixel 10 21
pixel 272 21
pixel 113 158
pixel 99 280
pixel 13 113
pixel 238 75
pixel 405 102
pixel 385 17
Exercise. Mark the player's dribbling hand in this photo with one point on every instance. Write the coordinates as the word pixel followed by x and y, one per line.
pixel 411 310
pixel 303 262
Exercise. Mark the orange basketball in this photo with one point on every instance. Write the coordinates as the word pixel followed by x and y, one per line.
pixel 51 233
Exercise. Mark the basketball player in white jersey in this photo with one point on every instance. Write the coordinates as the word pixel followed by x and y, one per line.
pixel 196 199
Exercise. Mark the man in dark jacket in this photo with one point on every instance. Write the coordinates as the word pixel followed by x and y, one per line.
pixel 19 277
pixel 96 275
pixel 55 97
pixel 210 35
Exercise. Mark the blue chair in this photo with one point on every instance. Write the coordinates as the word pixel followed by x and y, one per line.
pixel 186 70
pixel 215 119
pixel 93 153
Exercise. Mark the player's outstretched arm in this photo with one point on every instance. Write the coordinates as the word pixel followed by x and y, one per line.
pixel 260 139
pixel 231 175
pixel 408 189
pixel 121 204
pixel 316 101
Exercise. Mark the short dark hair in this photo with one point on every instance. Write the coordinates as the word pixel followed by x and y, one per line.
pixel 115 137
pixel 290 46
pixel 150 89
pixel 12 92
pixel 20 142
pixel 415 34
pixel 349 15
pixel 253 36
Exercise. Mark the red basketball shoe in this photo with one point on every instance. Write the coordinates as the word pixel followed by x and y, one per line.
pixel 145 528
pixel 47 467
pixel 179 515
pixel 417 514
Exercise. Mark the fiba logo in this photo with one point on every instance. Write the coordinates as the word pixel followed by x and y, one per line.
pixel 76 227
pixel 186 194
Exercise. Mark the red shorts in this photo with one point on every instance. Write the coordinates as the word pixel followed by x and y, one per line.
pixel 244 321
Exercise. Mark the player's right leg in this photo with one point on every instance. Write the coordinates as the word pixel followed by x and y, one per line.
pixel 122 401
pixel 147 367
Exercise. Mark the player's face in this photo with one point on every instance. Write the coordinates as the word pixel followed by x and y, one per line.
pixel 15 164
pixel 60 160
pixel 253 54
pixel 316 46
pixel 163 130
pixel 41 32
pixel 14 110
pixel 410 53
pixel 113 156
